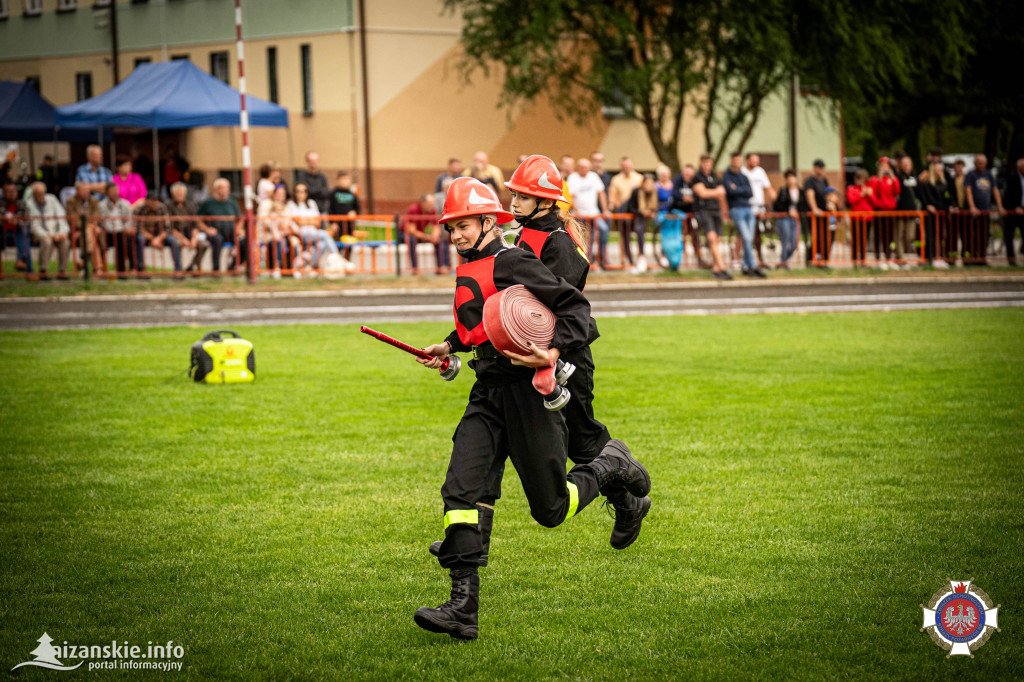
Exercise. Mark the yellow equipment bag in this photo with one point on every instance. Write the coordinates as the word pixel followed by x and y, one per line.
pixel 217 360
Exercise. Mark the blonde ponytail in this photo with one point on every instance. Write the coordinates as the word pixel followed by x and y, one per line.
pixel 577 230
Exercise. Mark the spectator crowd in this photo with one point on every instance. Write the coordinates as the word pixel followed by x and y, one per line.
pixel 938 215
pixel 902 216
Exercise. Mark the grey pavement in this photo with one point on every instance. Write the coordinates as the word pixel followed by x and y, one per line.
pixel 370 306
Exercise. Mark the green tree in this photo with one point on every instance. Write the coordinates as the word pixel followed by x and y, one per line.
pixel 893 66
pixel 647 58
pixel 642 57
pixel 749 55
pixel 990 92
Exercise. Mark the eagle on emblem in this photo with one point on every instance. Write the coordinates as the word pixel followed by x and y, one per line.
pixel 960 622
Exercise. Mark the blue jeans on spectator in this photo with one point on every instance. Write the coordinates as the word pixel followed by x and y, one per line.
pixel 441 253
pixel 743 217
pixel 411 241
pixel 216 244
pixel 319 240
pixel 639 226
pixel 277 254
pixel 169 241
pixel 444 250
pixel 602 237
pixel 787 235
pixel 23 241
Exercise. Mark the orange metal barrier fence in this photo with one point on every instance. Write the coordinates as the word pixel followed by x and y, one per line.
pixel 143 246
pixel 171 245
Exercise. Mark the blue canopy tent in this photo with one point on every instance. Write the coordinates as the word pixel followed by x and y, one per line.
pixel 170 95
pixel 26 116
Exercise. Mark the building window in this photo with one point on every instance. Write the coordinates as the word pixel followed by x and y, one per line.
pixel 219 66
pixel 142 60
pixel 83 85
pixel 179 57
pixel 307 81
pixel 33 8
pixel 67 5
pixel 771 161
pixel 35 83
pixel 272 74
pixel 4 9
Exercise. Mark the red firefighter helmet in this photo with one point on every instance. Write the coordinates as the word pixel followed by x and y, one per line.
pixel 469 196
pixel 537 176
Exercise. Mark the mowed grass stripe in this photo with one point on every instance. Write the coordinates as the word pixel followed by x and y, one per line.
pixel 815 479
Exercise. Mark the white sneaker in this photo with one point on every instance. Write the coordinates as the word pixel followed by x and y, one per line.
pixel 641 264
pixel 882 265
pixel 663 262
pixel 939 264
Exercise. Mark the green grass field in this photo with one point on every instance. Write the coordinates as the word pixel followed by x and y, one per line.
pixel 815 479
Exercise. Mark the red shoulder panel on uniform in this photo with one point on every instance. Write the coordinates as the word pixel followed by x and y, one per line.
pixel 532 240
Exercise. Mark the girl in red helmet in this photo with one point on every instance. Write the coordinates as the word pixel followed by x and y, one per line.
pixel 506 415
pixel 556 240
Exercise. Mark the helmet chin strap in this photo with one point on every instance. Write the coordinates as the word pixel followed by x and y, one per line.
pixel 527 220
pixel 474 250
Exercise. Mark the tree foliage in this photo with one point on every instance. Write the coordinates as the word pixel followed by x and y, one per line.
pixel 892 66
pixel 637 55
pixel 749 56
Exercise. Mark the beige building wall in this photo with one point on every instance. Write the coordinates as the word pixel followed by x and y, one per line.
pixel 331 129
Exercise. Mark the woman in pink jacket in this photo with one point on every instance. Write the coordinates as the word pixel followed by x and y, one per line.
pixel 131 185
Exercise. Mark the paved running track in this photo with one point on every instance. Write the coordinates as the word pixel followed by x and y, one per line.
pixel 371 306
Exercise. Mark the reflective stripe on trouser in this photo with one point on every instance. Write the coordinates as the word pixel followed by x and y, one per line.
pixel 509 420
pixel 587 436
pixel 574 499
pixel 461 516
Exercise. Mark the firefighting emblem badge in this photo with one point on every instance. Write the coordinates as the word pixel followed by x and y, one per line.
pixel 960 617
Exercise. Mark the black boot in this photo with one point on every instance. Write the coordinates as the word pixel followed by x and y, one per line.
pixel 457 616
pixel 629 516
pixel 486 523
pixel 617 470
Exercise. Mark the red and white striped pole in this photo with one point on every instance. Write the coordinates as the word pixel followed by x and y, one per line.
pixel 250 226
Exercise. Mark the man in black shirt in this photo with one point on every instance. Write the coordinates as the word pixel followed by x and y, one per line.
pixel 315 181
pixel 343 202
pixel 1013 202
pixel 710 195
pixel 454 171
pixel 815 188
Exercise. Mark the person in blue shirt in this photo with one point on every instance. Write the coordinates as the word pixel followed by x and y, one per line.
pixel 980 186
pixel 738 193
pixel 94 173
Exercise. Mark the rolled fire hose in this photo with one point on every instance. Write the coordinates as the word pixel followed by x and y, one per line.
pixel 513 319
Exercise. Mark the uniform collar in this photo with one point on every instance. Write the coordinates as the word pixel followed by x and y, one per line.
pixel 548 222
